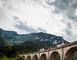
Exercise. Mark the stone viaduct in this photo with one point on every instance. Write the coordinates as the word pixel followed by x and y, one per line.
pixel 64 52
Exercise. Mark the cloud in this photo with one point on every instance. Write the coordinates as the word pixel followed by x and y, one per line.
pixel 66 8
pixel 68 32
pixel 6 4
pixel 42 30
pixel 68 29
pixel 69 25
pixel 27 16
pixel 23 26
pixel 42 3
pixel 23 0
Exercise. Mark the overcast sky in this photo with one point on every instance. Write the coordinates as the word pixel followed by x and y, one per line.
pixel 58 17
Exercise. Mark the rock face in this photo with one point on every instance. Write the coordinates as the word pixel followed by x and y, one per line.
pixel 39 39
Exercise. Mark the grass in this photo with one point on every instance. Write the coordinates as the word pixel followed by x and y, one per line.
pixel 16 58
pixel 5 58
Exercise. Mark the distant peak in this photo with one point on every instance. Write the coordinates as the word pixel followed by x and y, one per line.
pixel 1 29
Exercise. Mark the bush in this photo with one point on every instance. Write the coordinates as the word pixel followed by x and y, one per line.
pixel 5 58
pixel 16 58
pixel 20 58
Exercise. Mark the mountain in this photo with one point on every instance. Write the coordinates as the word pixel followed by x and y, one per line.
pixel 36 41
pixel 32 40
pixel 11 36
pixel 3 43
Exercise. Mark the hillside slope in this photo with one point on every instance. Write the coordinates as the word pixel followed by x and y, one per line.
pixel 32 41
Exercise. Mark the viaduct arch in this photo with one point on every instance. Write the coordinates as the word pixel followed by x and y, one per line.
pixel 28 57
pixel 64 52
pixel 55 56
pixel 43 57
pixel 35 57
pixel 69 54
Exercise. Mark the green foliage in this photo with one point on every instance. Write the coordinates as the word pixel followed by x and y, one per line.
pixel 5 58
pixel 20 58
pixel 13 38
pixel 24 43
pixel 16 58
pixel 8 52
pixel 3 43
pixel 26 47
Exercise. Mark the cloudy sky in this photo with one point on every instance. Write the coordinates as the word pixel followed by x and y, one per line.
pixel 58 17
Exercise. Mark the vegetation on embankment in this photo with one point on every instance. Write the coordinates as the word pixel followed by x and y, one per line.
pixel 15 58
pixel 8 53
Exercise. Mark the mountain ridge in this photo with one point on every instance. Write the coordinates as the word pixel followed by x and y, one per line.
pixel 42 38
pixel 29 42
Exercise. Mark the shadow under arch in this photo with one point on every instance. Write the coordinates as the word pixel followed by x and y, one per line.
pixel 28 57
pixel 69 54
pixel 43 57
pixel 55 56
pixel 35 57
